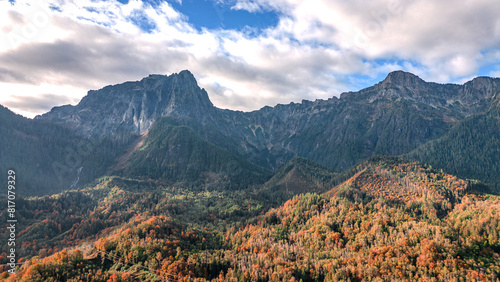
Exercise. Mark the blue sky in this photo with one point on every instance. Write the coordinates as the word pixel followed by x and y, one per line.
pixel 212 15
pixel 245 53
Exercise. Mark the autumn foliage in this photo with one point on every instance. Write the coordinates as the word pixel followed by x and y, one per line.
pixel 391 221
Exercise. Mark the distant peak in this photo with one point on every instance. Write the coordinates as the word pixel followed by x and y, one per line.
pixel 184 78
pixel 156 76
pixel 186 72
pixel 402 78
pixel 399 74
pixel 187 75
pixel 183 74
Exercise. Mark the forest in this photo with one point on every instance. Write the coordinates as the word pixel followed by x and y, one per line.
pixel 385 220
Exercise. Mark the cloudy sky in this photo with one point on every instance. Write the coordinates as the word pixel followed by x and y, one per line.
pixel 245 53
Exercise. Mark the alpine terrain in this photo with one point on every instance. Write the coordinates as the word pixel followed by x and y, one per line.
pixel 149 181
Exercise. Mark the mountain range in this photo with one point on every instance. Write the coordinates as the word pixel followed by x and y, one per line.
pixel 450 126
pixel 149 181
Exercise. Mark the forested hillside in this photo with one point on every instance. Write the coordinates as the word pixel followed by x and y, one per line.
pixel 407 221
pixel 175 154
pixel 49 158
pixel 470 149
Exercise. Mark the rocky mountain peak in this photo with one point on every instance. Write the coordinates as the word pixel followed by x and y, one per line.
pixel 187 75
pixel 134 106
pixel 402 78
pixel 482 83
pixel 184 77
pixel 482 90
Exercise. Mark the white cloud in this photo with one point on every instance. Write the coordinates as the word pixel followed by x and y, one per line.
pixel 313 52
pixel 247 6
pixel 30 100
pixel 435 35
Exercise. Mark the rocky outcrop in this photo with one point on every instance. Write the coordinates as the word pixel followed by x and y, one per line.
pixel 133 107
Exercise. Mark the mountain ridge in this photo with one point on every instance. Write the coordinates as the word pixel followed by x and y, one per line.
pixel 358 124
pixel 392 117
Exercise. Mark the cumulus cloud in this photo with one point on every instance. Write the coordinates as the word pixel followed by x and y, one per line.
pixel 318 49
pixel 433 34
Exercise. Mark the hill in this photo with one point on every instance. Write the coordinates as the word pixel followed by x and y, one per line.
pixel 301 176
pixel 49 158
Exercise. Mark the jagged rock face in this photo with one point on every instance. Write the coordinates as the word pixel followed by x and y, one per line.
pixel 470 98
pixel 134 106
pixel 392 117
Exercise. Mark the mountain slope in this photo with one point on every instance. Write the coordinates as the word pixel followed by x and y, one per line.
pixel 175 153
pixel 301 176
pixel 48 158
pixel 395 179
pixel 391 117
pixel 445 232
pixel 470 149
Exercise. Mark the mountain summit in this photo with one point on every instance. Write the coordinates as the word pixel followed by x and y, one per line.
pixel 402 78
pixel 134 106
